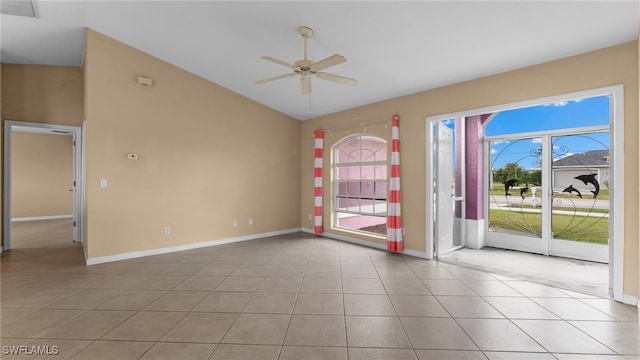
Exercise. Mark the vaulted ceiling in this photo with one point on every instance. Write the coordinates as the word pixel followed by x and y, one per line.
pixel 392 48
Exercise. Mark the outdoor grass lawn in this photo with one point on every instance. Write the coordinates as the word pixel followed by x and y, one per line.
pixel 566 227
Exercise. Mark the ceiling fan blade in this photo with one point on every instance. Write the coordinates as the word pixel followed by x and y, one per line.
pixel 280 62
pixel 305 82
pixel 337 78
pixel 274 78
pixel 330 61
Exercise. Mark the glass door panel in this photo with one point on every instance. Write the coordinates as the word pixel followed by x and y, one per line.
pixel 516 179
pixel 580 174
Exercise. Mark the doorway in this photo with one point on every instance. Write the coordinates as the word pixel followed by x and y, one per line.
pixel 556 213
pixel 75 186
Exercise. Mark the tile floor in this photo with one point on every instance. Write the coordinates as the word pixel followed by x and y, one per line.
pixel 296 296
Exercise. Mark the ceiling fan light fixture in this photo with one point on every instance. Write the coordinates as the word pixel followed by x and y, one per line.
pixel 305 67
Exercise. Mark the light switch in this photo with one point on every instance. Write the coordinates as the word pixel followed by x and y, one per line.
pixel 103 183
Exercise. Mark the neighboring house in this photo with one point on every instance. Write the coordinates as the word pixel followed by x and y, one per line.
pixel 591 162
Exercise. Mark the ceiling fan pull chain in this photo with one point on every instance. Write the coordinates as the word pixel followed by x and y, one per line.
pixel 309 109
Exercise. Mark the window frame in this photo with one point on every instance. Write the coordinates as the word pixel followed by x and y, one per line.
pixel 375 191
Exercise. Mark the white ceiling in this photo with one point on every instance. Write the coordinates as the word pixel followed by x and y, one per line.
pixel 393 48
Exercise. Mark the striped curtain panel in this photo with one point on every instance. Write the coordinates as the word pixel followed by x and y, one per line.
pixel 394 221
pixel 319 146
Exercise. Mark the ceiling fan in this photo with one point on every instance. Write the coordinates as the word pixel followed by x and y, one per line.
pixel 306 68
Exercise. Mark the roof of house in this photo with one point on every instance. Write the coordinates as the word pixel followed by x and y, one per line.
pixel 589 158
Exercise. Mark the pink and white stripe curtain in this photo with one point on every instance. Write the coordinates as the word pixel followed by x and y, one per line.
pixel 394 220
pixel 318 157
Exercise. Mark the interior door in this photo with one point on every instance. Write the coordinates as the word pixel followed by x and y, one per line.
pixel 445 192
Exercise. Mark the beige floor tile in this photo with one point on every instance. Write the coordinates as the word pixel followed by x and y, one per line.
pixel 171 351
pixel 562 337
pixel 119 281
pixel 217 269
pixel 160 282
pixel 432 273
pixel 323 271
pixel 376 331
pixel 177 301
pixel 490 288
pixel 356 261
pixel 258 329
pixel 132 300
pixel 468 307
pixel 622 337
pixel 381 354
pixel 589 357
pixel 271 303
pixel 287 270
pixel 145 326
pixel 319 304
pixel 405 286
pixel 280 284
pixel 57 349
pixel 418 305
pixel 240 283
pixel 449 354
pixel 35 297
pixel 321 285
pixel 183 269
pixel 8 315
pixel 324 260
pixel 448 287
pixel 312 353
pixel 252 270
pixel 519 308
pixel 530 289
pixel 200 283
pixel 619 311
pixel 400 271
pixel 465 273
pixel 358 304
pixel 246 352
pixel 316 330
pixel 201 327
pixel 40 322
pixel 148 269
pixel 359 272
pixel 571 309
pixel 113 350
pixel 498 335
pixel 363 286
pixel 222 301
pixel 436 334
pixel 292 260
pixel 518 356
pixel 89 326
pixel 86 299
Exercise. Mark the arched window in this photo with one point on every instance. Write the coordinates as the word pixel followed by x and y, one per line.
pixel 360 184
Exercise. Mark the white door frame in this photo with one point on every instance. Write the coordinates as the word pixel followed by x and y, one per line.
pixel 616 244
pixel 78 169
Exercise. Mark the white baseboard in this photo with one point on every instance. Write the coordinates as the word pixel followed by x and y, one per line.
pixel 370 244
pixel 36 218
pixel 171 249
pixel 630 300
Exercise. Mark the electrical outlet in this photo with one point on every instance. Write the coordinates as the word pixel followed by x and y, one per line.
pixel 167 230
pixel 310 217
pixel 250 221
pixel 132 156
pixel 235 222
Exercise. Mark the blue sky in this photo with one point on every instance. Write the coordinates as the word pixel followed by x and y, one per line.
pixel 555 116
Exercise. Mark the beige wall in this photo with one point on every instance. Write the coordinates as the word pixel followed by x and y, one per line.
pixel 44 94
pixel 41 175
pixel 606 67
pixel 207 156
